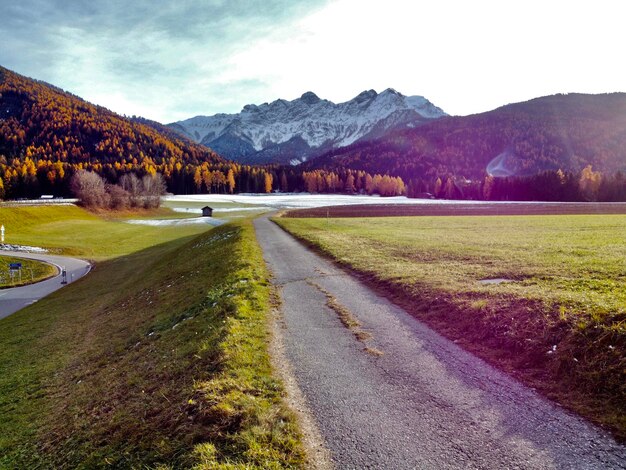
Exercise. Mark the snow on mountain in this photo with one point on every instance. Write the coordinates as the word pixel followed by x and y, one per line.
pixel 292 131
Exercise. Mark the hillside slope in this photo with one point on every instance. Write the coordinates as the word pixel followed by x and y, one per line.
pixel 564 132
pixel 46 133
pixel 156 359
pixel 294 131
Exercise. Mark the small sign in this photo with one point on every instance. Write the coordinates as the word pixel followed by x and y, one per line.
pixel 15 265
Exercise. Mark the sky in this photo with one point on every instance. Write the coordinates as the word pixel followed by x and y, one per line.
pixel 172 60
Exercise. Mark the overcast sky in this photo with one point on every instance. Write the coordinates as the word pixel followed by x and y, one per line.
pixel 189 57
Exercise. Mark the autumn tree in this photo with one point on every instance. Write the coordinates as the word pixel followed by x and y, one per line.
pixel 590 183
pixel 438 186
pixel 268 182
pixel 349 187
pixel 132 185
pixel 153 187
pixel 119 199
pixel 230 180
pixel 197 178
pixel 90 189
pixel 449 188
pixel 487 190
pixel 369 184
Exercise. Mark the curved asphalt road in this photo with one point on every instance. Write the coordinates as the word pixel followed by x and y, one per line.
pixel 16 298
pixel 425 403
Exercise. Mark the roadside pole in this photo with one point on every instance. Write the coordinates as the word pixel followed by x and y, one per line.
pixel 13 268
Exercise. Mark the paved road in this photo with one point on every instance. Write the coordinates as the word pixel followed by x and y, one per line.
pixel 16 298
pixel 425 403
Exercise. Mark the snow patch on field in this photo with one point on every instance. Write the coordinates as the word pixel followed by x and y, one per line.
pixel 169 222
pixel 306 200
pixel 24 248
pixel 192 210
pixel 299 200
pixel 497 280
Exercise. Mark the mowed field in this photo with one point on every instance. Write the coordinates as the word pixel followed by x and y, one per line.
pixel 559 325
pixel 157 359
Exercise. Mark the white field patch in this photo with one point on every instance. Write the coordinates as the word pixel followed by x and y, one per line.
pixel 24 248
pixel 197 210
pixel 177 222
pixel 285 200
pixel 496 280
pixel 306 200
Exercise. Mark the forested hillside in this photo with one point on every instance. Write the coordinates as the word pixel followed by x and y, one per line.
pixel 46 135
pixel 563 147
pixel 566 132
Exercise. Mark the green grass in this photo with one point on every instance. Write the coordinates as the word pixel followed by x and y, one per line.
pixel 157 358
pixel 73 231
pixel 32 271
pixel 569 292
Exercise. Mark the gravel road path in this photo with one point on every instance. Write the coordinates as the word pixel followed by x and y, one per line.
pixel 424 403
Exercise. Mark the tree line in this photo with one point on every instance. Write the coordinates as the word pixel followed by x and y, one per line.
pixel 586 185
pixel 28 179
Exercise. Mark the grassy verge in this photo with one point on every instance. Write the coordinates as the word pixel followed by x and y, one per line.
pixel 158 358
pixel 560 326
pixel 32 271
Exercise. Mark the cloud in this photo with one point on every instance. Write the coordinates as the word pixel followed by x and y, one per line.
pixel 466 57
pixel 163 61
pixel 172 60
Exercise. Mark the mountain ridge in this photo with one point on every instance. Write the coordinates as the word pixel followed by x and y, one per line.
pixel 293 131
pixel 562 131
pixel 47 134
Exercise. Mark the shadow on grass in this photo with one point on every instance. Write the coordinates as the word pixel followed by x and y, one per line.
pixel 117 369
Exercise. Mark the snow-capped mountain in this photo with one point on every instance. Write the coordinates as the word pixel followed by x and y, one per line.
pixel 293 131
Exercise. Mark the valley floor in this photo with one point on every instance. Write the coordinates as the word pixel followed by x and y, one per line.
pixel 159 358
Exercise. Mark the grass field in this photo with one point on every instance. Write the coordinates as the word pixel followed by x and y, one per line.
pixel 72 231
pixel 560 326
pixel 157 358
pixel 447 208
pixel 32 271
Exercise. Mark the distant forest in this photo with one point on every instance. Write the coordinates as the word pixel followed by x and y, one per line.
pixel 48 135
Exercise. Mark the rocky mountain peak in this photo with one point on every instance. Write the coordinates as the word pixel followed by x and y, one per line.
pixel 296 130
pixel 391 91
pixel 365 96
pixel 310 98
